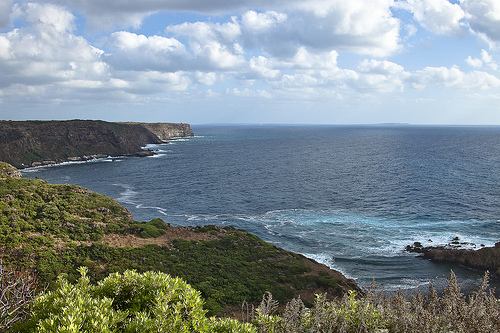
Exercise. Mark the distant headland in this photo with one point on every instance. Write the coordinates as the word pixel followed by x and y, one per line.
pixel 33 143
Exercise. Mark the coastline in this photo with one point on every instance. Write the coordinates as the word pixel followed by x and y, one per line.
pixel 484 259
pixel 25 144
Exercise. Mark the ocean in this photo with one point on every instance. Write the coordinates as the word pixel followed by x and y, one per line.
pixel 351 197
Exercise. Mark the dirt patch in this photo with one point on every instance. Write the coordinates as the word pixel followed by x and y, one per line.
pixel 172 233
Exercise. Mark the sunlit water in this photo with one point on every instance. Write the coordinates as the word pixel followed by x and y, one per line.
pixel 349 197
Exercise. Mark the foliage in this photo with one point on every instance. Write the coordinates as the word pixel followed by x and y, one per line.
pixel 56 228
pixel 32 209
pixel 128 302
pixel 18 289
pixel 228 271
pixel 152 229
pixel 450 312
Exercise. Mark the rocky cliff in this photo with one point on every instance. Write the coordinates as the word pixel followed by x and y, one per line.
pixel 168 131
pixel 29 143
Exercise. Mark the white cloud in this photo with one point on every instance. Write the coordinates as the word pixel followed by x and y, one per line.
pixel 483 18
pixel 381 76
pixel 438 16
pixel 262 22
pixel 356 26
pixel 213 45
pixel 486 59
pixel 474 62
pixel 45 51
pixel 208 79
pixel 248 93
pixel 46 60
pixel 380 67
pixel 264 68
pixel 138 52
pixel 452 77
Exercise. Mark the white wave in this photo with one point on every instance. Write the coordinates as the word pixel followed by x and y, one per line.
pixel 157 156
pixel 127 195
pixel 328 260
pixel 406 284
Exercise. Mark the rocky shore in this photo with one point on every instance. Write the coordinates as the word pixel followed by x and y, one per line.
pixel 486 258
pixel 34 143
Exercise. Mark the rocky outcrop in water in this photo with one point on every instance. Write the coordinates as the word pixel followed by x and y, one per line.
pixel 31 143
pixel 486 258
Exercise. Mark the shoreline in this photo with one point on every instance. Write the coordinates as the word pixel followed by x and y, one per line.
pixel 483 259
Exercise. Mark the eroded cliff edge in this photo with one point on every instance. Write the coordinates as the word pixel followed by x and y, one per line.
pixel 28 143
pixel 167 131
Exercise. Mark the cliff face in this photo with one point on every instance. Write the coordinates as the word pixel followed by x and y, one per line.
pixel 27 143
pixel 168 131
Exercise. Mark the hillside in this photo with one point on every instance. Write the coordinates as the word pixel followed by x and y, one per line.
pixel 55 229
pixel 30 143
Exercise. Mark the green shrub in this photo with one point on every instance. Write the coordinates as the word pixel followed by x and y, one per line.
pixel 128 302
pixel 152 229
pixel 158 223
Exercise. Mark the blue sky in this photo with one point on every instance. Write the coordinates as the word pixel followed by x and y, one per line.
pixel 252 61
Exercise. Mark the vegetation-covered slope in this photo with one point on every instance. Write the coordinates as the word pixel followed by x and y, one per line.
pixel 55 229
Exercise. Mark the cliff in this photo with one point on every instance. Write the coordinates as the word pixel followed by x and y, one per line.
pixel 168 131
pixel 31 143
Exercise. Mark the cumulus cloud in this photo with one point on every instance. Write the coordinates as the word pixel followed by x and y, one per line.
pixel 483 17
pixel 261 67
pixel 46 51
pixel 452 77
pixel 474 62
pixel 212 45
pixel 138 52
pixel 439 16
pixel 355 26
pixel 293 49
pixel 208 79
pixel 381 76
pixel 47 60
pixel 486 60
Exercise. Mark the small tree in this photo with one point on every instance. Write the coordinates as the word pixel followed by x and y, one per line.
pixel 18 289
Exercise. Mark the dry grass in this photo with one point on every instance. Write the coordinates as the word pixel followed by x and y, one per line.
pixel 18 289
pixel 451 311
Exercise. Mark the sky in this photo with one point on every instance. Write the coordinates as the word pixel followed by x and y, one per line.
pixel 252 61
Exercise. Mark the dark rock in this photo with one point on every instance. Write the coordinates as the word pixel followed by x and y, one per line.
pixel 486 258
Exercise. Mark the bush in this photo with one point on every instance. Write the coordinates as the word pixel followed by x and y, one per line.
pixel 152 229
pixel 128 302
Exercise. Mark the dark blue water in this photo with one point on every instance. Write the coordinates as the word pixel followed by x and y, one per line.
pixel 350 197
